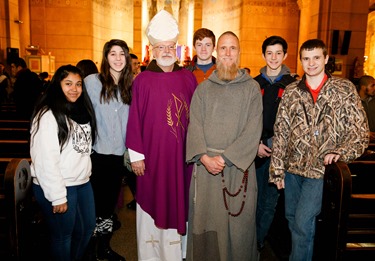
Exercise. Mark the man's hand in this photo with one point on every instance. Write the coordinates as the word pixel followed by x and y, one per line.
pixel 138 167
pixel 264 151
pixel 329 158
pixel 214 165
pixel 280 184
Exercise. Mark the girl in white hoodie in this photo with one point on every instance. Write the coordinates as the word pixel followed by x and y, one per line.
pixel 62 133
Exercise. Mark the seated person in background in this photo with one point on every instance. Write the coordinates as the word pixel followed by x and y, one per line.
pixel 366 90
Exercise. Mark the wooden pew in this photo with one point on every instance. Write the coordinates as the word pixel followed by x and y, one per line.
pixel 15 199
pixel 7 108
pixel 26 239
pixel 14 133
pixel 14 123
pixel 347 227
pixel 17 209
pixel 15 148
pixel 14 139
pixel 8 111
pixel 371 146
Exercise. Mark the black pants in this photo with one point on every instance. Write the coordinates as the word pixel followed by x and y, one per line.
pixel 131 180
pixel 106 180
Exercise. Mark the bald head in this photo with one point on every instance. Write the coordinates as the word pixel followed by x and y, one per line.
pixel 229 34
pixel 228 47
pixel 228 50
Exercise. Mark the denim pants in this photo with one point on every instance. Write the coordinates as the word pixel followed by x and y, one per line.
pixel 71 231
pixel 267 200
pixel 303 202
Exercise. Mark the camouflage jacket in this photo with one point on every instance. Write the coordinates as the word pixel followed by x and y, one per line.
pixel 306 131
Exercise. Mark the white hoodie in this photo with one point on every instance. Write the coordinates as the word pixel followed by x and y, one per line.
pixel 54 170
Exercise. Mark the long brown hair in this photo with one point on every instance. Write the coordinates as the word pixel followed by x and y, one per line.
pixel 109 88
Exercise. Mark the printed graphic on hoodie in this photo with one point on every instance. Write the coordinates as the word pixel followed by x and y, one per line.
pixel 81 138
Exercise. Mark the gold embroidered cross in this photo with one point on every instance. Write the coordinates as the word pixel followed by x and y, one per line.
pixel 152 241
pixel 179 109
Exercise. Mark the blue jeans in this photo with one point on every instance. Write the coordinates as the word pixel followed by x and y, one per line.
pixel 303 202
pixel 267 201
pixel 71 231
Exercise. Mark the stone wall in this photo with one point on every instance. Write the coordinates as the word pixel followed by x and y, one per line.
pixel 112 19
pixel 75 30
pixel 261 19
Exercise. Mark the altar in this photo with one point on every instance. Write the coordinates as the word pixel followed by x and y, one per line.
pixel 41 63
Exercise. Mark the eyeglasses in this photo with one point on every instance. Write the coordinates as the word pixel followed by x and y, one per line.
pixel 163 48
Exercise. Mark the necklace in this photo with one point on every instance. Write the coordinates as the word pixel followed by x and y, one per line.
pixel 226 192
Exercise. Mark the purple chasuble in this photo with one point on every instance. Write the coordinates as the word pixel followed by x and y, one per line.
pixel 157 127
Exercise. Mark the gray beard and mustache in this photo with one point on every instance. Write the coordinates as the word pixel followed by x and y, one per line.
pixel 226 72
pixel 166 60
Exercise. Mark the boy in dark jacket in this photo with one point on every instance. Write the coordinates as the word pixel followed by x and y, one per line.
pixel 273 79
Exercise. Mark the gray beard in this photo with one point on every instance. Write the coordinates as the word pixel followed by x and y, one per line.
pixel 163 62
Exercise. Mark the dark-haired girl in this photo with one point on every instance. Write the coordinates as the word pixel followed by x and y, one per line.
pixel 62 132
pixel 110 95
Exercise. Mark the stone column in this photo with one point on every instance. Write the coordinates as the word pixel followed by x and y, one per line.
pixel 24 28
pixel 13 23
pixel 183 13
pixel 304 29
pixel 137 29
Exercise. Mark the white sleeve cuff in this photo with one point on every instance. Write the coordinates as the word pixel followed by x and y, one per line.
pixel 135 156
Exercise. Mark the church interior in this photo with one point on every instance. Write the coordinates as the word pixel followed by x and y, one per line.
pixel 65 32
pixel 52 33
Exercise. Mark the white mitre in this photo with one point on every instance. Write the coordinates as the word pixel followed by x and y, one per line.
pixel 162 28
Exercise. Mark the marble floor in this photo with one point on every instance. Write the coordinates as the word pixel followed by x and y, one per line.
pixel 124 239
